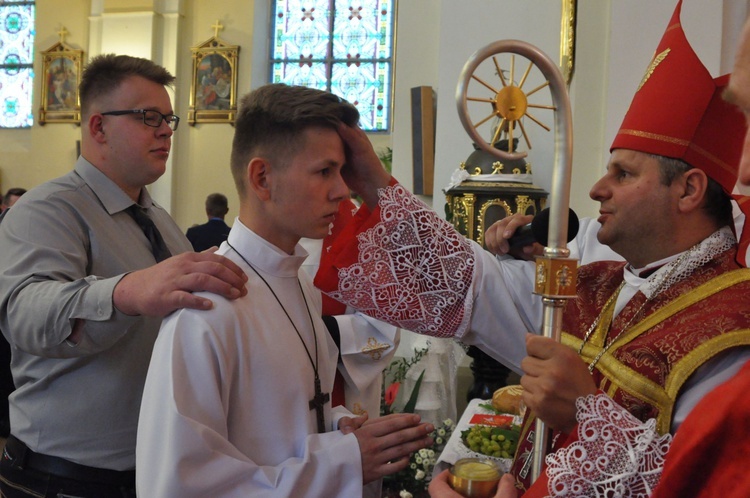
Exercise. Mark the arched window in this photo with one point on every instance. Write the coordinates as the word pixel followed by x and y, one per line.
pixel 16 63
pixel 343 46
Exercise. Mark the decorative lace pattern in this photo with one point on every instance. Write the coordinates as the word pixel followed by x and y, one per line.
pixel 414 270
pixel 616 455
pixel 718 242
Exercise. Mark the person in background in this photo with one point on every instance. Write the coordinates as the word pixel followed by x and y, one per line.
pixel 215 230
pixel 10 198
pixel 237 400
pixel 89 265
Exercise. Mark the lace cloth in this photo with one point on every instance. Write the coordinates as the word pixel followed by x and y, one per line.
pixel 718 242
pixel 614 455
pixel 414 269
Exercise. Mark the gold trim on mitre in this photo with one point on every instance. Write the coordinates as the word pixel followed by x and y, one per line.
pixel 655 136
pixel 651 67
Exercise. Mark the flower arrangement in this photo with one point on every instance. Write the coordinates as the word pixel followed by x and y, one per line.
pixel 411 482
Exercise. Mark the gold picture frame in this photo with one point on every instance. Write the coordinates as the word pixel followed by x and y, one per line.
pixel 568 38
pixel 61 74
pixel 213 89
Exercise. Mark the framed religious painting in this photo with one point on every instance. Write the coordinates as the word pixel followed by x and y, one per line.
pixel 213 90
pixel 61 74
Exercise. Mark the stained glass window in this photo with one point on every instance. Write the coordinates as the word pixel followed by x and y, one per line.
pixel 16 63
pixel 343 46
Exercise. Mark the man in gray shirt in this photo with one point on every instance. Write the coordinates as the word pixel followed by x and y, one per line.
pixel 85 279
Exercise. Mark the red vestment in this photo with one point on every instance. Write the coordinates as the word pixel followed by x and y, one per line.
pixel 376 265
pixel 656 350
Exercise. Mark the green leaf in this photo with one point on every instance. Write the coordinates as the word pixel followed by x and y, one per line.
pixel 412 403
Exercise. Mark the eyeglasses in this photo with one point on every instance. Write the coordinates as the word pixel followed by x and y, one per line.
pixel 150 117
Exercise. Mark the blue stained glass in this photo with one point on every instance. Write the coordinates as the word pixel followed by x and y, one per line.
pixel 344 46
pixel 17 32
pixel 309 75
pixel 302 29
pixel 15 98
pixel 16 63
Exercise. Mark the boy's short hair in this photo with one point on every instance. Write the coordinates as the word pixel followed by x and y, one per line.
pixel 272 118
pixel 104 73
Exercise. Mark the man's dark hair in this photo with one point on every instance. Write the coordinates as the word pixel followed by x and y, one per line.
pixel 272 118
pixel 217 205
pixel 104 73
pixel 718 203
pixel 16 191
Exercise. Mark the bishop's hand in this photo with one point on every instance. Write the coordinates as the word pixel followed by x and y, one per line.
pixel 554 377
pixel 363 172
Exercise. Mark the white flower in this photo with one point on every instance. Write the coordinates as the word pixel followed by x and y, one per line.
pixel 418 460
pixel 423 453
pixel 419 475
pixel 431 453
pixel 448 422
pixel 441 432
pixel 438 440
pixel 413 466
pixel 405 494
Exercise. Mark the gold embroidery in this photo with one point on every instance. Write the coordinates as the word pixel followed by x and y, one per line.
pixel 640 386
pixel 358 410
pixel 655 136
pixel 375 349
pixel 651 67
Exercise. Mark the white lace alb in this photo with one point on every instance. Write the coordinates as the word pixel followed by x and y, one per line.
pixel 615 455
pixel 414 269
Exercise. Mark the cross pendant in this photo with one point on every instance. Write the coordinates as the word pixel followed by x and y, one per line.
pixel 317 404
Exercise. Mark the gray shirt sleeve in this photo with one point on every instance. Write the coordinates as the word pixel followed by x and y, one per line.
pixel 62 252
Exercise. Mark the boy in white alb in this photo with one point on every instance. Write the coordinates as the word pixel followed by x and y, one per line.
pixel 237 399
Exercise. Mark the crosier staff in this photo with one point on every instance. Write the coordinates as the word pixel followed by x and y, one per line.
pixel 555 273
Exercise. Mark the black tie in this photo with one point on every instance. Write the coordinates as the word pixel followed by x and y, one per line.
pixel 158 247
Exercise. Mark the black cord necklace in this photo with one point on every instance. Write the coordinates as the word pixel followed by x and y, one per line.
pixel 320 398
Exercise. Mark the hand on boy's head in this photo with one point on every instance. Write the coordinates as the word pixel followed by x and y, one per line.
pixel 386 443
pixel 363 172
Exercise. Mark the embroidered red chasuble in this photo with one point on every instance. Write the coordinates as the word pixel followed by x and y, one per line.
pixel 643 369
pixel 655 352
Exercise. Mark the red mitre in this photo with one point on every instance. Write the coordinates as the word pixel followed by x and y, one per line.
pixel 678 111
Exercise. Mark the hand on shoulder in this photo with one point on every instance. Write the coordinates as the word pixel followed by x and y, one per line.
pixel 170 285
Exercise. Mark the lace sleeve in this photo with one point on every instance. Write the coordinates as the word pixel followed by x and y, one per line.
pixel 412 268
pixel 615 454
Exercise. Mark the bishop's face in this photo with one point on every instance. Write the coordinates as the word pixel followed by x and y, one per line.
pixel 637 211
pixel 306 192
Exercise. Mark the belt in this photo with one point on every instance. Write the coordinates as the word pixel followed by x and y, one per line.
pixel 22 457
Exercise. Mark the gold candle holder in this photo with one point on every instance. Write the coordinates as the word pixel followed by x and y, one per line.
pixel 475 477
